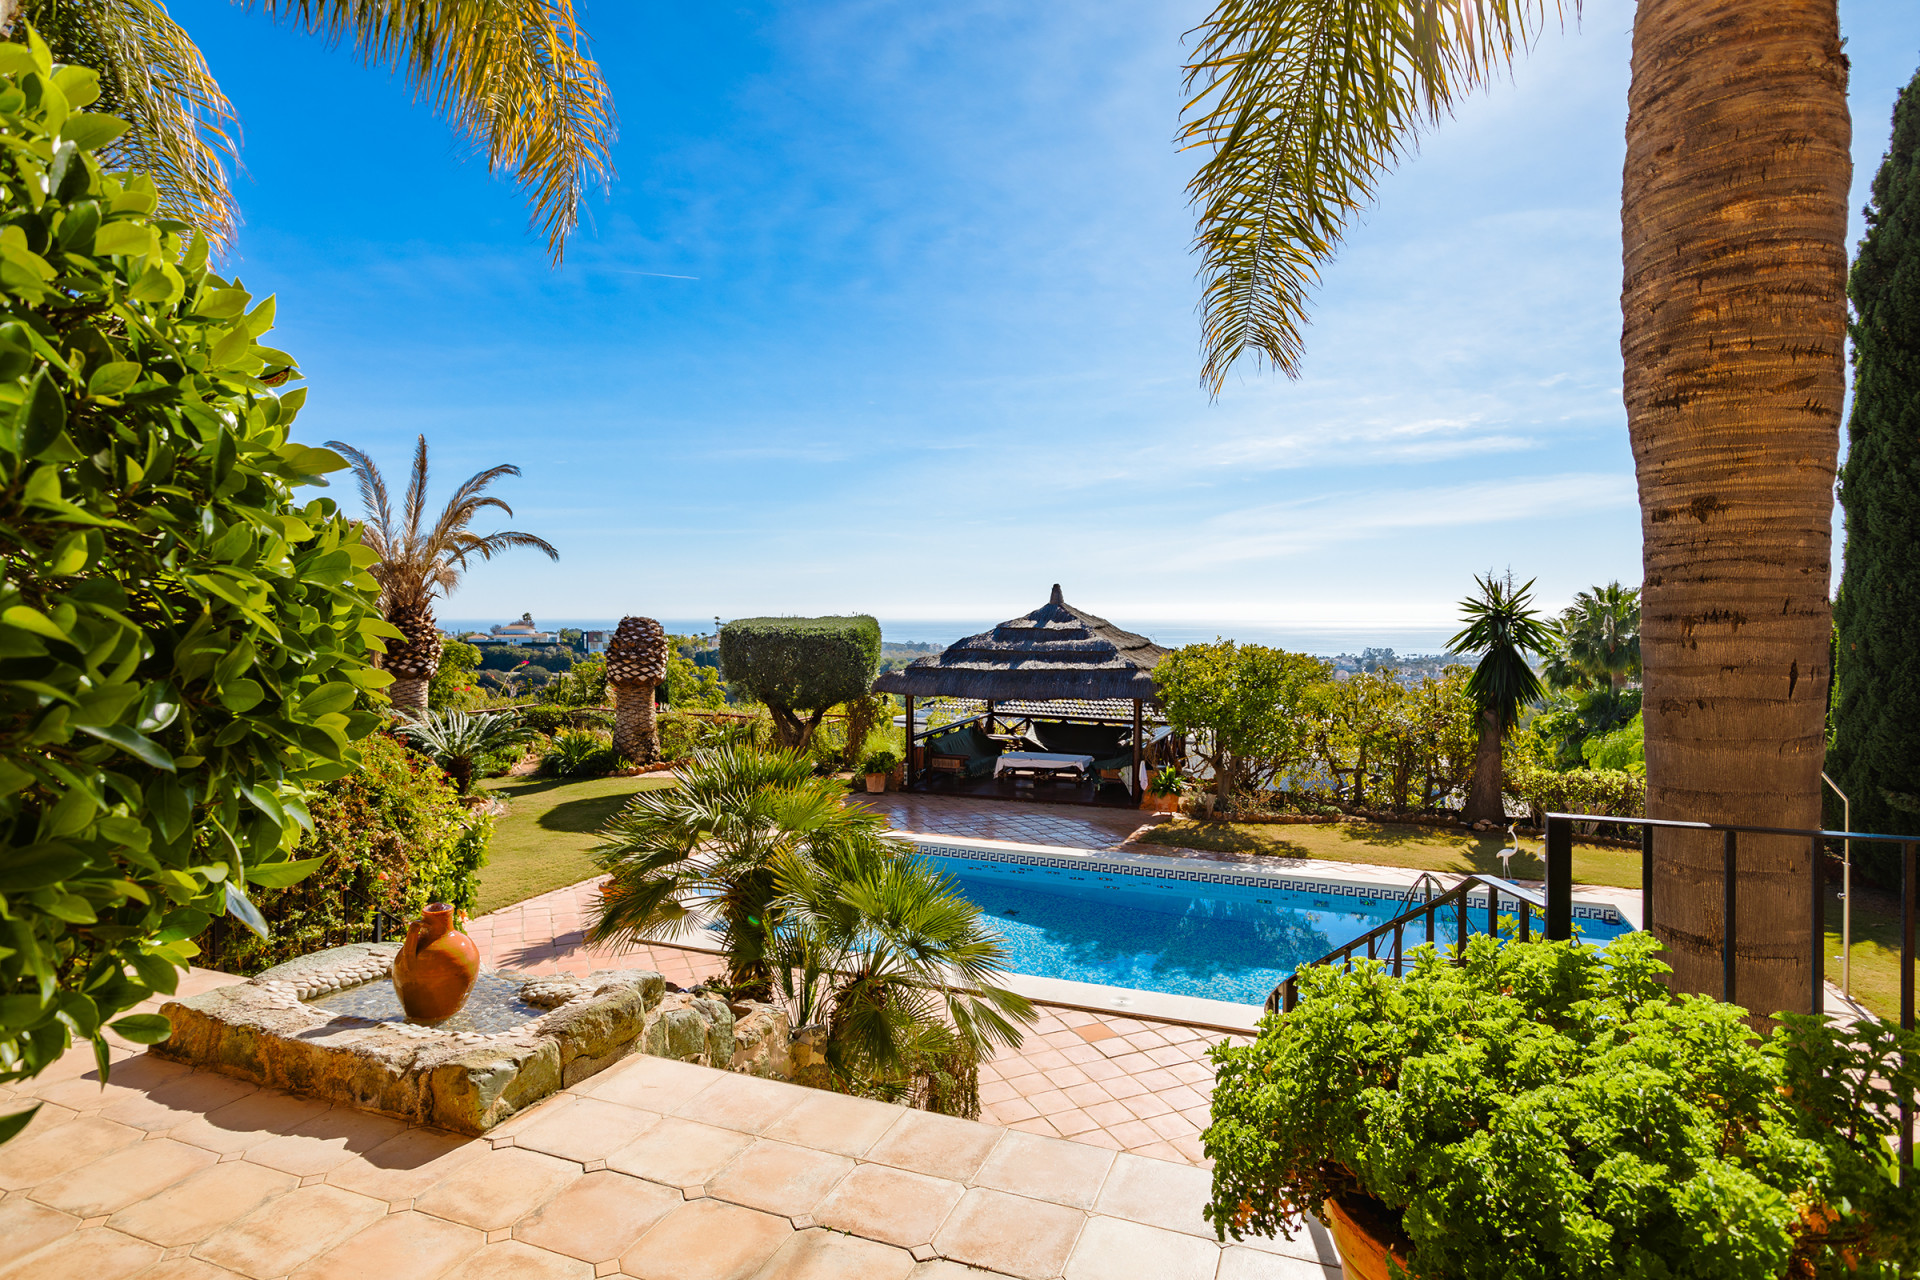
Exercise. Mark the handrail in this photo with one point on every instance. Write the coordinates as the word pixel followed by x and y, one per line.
pixel 1286 994
pixel 1427 881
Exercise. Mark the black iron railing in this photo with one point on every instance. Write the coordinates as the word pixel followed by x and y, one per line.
pixel 1388 943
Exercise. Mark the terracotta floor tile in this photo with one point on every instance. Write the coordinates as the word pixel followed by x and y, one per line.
pixel 1046 1059
pixel 1109 1247
pixel 1159 1194
pixel 652 1084
pixel 585 1129
pixel 599 1217
pixel 1172 1125
pixel 1239 1263
pixel 1009 1111
pixel 1048 1102
pixel 1133 1134
pixel 1100 1070
pixel 121 1178
pixel 408 1165
pixel 780 1178
pixel 1109 1113
pixel 1161 1150
pixel 940 1146
pixel 1093 1031
pixel 1039 1126
pixel 401 1246
pixel 1123 1086
pixel 25 1226
pixel 1000 1090
pixel 325 1142
pixel 1147 1105
pixel 185 1267
pixel 680 1153
pixel 497 1190
pixel 512 1260
pixel 707 1240
pixel 1068 1173
pixel 1168 1056
pixel 890 1205
pixel 295 1228
pixel 96 1253
pixel 1010 1234
pixel 741 1102
pixel 1183 1098
pixel 828 1255
pixel 1098 1137
pixel 193 1209
pixel 1156 1080
pixel 1197 1075
pixel 1080 1055
pixel 1088 1095
pixel 33 1158
pixel 1066 1077
pixel 1071 1123
pixel 248 1121
pixel 835 1122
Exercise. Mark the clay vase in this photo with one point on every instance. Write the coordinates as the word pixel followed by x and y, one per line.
pixel 1365 1239
pixel 436 966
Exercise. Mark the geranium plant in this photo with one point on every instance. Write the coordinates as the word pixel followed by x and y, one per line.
pixel 1546 1110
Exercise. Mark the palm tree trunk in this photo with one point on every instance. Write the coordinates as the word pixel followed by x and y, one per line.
pixel 1485 802
pixel 409 695
pixel 636 726
pixel 1734 218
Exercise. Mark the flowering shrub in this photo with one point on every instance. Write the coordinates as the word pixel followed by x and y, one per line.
pixel 394 837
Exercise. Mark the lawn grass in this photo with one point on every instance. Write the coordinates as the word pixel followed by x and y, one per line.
pixel 541 842
pixel 1876 949
pixel 1396 845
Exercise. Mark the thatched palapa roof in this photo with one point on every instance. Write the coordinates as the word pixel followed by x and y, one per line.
pixel 1057 651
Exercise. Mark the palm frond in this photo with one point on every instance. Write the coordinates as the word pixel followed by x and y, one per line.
pixel 415 505
pixel 152 76
pixel 513 76
pixel 1299 107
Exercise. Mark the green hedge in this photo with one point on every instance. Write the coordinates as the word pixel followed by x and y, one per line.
pixel 394 837
pixel 1614 792
pixel 800 665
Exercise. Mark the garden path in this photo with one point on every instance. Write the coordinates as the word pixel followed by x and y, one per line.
pixel 653 1169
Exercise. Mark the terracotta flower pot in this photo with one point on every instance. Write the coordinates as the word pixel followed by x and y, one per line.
pixel 436 966
pixel 876 782
pixel 1366 1238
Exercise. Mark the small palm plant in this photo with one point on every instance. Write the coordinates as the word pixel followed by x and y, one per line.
pixel 898 966
pixel 458 741
pixel 702 853
pixel 1503 628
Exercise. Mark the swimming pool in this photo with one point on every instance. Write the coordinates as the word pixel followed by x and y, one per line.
pixel 1149 928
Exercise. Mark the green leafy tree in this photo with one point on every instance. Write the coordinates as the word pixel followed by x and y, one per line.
pixel 455 684
pixel 1876 713
pixel 1597 639
pixel 512 76
pixel 1243 708
pixel 800 667
pixel 183 645
pixel 1503 629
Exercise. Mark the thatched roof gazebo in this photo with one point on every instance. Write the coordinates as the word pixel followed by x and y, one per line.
pixel 1059 666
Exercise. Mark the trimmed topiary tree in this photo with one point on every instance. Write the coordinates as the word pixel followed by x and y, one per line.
pixel 183 646
pixel 1876 716
pixel 800 667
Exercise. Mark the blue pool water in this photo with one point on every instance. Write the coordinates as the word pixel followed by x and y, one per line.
pixel 1219 941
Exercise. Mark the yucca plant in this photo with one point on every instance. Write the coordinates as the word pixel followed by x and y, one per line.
pixel 1503 628
pixel 417 562
pixel 458 741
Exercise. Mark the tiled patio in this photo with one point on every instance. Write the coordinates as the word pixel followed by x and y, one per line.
pixel 1106 1081
pixel 653 1169
pixel 1075 826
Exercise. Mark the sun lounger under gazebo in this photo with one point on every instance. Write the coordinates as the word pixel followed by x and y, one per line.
pixel 1063 694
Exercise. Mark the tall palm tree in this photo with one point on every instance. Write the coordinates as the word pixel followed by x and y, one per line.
pixel 1598 639
pixel 1503 629
pixel 1734 215
pixel 513 77
pixel 417 560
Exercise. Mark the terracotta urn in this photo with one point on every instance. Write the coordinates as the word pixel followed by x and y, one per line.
pixel 436 966
pixel 876 782
pixel 1366 1238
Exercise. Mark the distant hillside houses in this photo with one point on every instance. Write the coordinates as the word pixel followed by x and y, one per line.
pixel 521 632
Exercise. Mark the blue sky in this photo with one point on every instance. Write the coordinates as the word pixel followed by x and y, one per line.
pixel 890 310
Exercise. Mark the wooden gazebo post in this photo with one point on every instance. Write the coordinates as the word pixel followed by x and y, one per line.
pixel 1133 775
pixel 913 773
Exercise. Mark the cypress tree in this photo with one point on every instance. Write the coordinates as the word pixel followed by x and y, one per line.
pixel 1876 719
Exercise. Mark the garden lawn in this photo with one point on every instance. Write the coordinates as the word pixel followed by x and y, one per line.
pixel 1876 948
pixel 542 841
pixel 1395 845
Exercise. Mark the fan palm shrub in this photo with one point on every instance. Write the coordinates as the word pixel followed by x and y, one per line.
pixel 900 969
pixel 457 741
pixel 579 753
pixel 1597 640
pixel 1503 629
pixel 512 76
pixel 418 560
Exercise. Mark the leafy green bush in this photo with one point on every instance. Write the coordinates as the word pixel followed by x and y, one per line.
pixel 182 645
pixel 552 720
pixel 690 684
pixel 800 666
pixel 1624 748
pixel 1613 792
pixel 454 686
pixel 1543 1110
pixel 393 837
pixel 883 761
pixel 585 685
pixel 681 734
pixel 579 753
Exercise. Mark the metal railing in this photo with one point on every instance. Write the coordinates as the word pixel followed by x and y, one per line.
pixel 1392 935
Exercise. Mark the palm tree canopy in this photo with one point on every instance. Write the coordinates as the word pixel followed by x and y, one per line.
pixel 1298 107
pixel 416 562
pixel 1502 627
pixel 1600 633
pixel 511 76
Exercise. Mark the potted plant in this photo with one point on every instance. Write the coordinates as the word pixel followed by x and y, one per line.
pixel 1163 791
pixel 877 766
pixel 1545 1109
